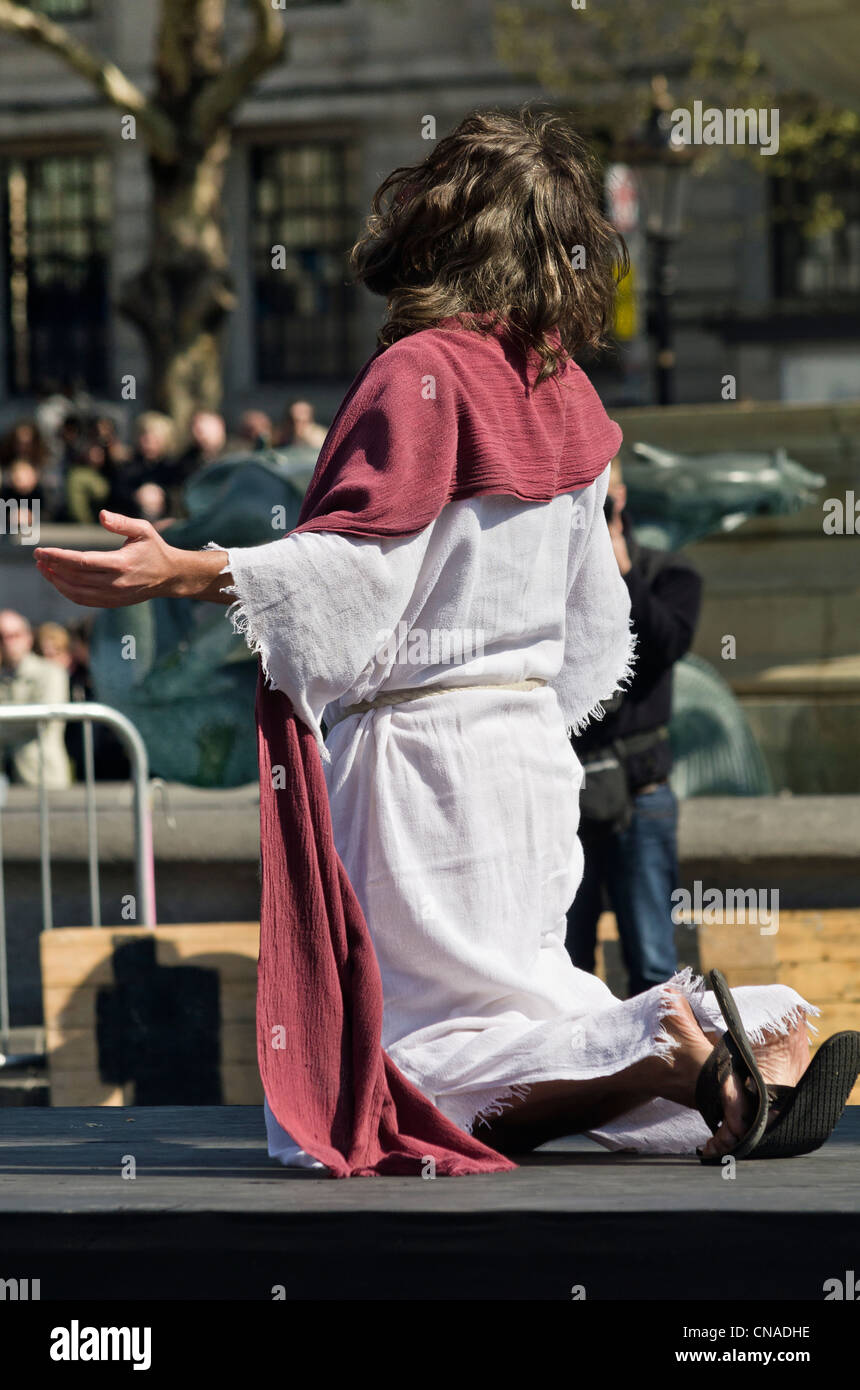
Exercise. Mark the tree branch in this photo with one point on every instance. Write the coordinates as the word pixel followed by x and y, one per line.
pixel 224 93
pixel 104 76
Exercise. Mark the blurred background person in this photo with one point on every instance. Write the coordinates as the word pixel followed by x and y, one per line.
pixel 109 756
pixel 300 427
pixel 69 441
pixel 208 437
pixel 103 431
pixel 56 402
pixel 152 503
pixel 80 683
pixel 90 482
pixel 150 467
pixel 256 429
pixel 629 813
pixel 28 679
pixel 25 472
pixel 23 441
pixel 21 481
pixel 54 643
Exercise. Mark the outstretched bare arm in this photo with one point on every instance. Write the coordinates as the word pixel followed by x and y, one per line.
pixel 144 567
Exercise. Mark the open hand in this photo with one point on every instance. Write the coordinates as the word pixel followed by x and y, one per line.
pixel 144 567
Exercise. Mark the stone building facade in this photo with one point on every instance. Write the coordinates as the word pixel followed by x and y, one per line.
pixel 349 103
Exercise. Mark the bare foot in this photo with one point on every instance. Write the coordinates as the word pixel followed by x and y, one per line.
pixel 782 1059
pixel 686 1062
pixel 675 1076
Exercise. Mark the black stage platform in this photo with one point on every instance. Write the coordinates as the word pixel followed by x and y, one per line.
pixel 209 1216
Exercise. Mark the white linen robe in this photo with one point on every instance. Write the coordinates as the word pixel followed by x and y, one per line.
pixel 456 815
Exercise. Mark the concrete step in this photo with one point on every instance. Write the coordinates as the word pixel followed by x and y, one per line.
pixel 825 438
pixel 777 629
pixel 803 565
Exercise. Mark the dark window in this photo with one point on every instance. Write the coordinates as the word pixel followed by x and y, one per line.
pixel 304 222
pixel 57 218
pixel 64 9
pixel 810 265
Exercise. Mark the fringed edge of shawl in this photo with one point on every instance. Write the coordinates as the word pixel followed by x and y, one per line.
pixel 243 627
pixel 785 1023
pixel 777 1020
pixel 483 1105
pixel 469 1110
pixel 621 681
pixel 475 1108
pixel 685 983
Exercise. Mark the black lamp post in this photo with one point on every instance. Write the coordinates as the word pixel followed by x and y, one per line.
pixel 661 166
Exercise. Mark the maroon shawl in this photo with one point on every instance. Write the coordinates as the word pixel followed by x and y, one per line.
pixel 441 415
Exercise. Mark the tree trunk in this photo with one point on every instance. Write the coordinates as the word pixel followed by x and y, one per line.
pixel 181 299
pixel 183 295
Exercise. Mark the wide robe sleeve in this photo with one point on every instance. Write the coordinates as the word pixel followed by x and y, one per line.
pixel 599 644
pixel 317 606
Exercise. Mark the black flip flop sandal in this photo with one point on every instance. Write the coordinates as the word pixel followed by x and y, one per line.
pixel 732 1054
pixel 807 1114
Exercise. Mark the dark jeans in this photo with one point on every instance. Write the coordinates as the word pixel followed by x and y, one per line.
pixel 639 868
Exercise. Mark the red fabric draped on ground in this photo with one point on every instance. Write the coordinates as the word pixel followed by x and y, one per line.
pixel 319 999
pixel 440 415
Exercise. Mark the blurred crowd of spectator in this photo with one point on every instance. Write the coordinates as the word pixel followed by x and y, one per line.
pixel 71 457
pixel 39 666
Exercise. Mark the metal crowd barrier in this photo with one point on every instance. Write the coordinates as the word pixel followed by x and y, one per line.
pixel 85 713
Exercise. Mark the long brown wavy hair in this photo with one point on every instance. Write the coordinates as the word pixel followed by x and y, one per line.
pixel 501 221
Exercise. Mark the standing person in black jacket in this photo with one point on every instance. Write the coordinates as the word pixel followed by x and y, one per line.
pixel 629 815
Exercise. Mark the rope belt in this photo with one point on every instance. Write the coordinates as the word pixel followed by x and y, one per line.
pixel 400 697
